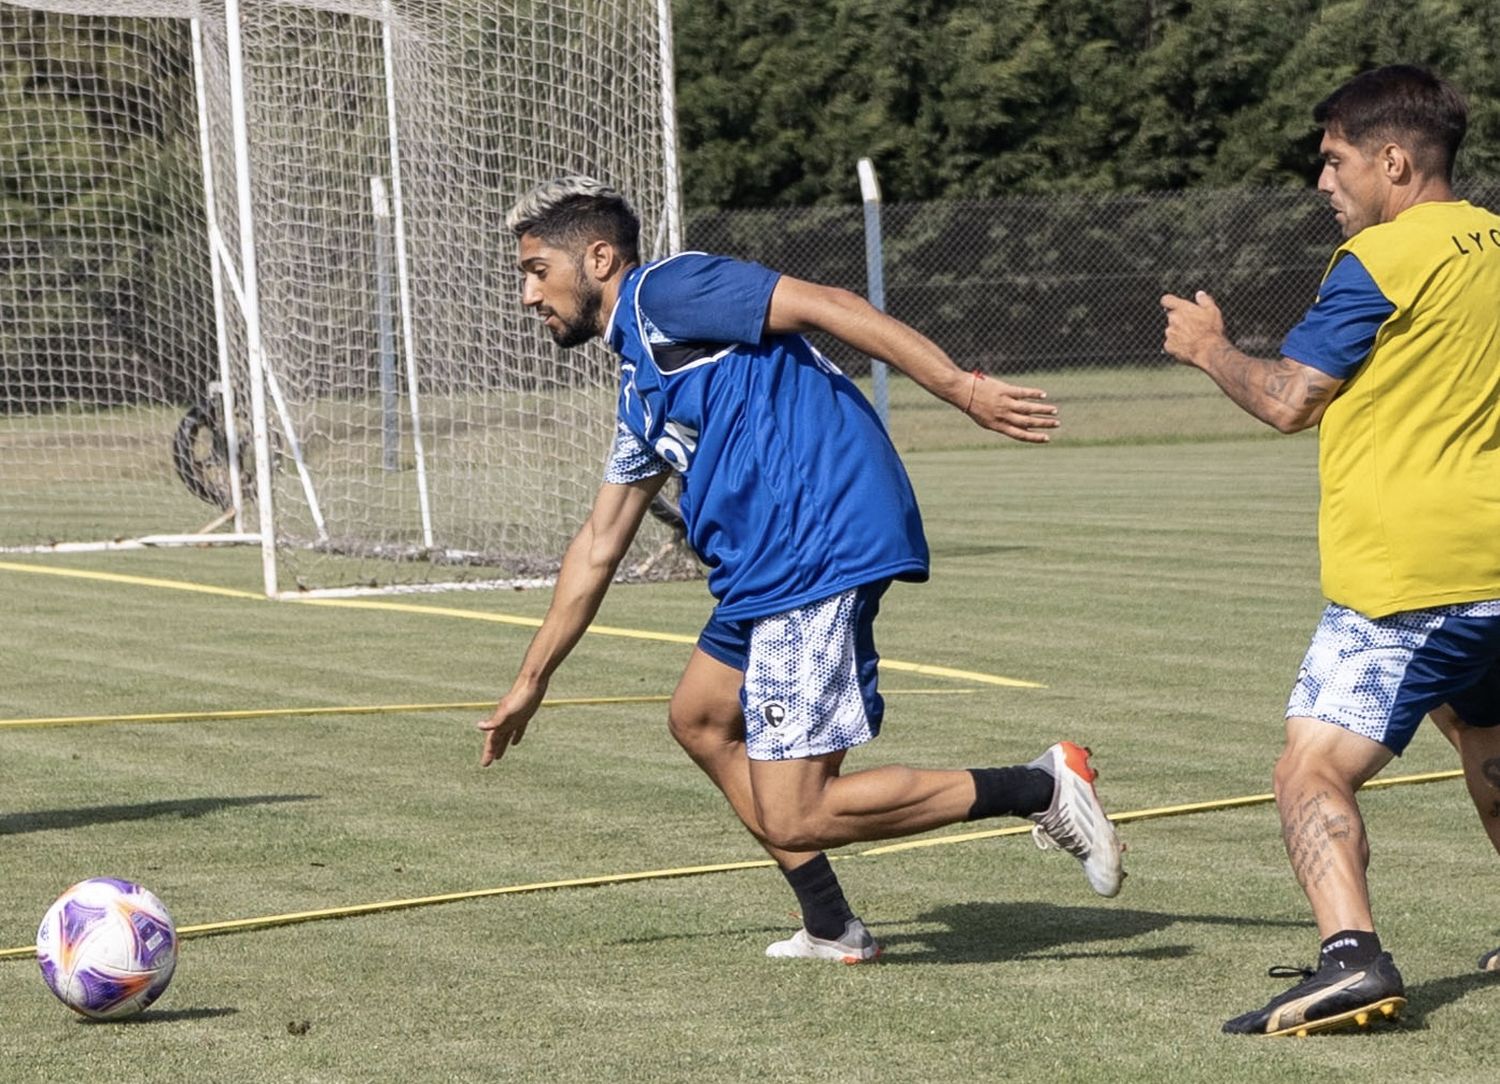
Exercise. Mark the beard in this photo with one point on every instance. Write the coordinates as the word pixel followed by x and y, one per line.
pixel 584 325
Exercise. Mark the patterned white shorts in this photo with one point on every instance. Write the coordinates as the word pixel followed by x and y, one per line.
pixel 1380 676
pixel 810 675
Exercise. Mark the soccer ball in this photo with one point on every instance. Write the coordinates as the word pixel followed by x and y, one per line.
pixel 107 948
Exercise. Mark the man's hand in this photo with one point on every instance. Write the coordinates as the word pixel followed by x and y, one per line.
pixel 1019 413
pixel 507 724
pixel 1282 392
pixel 1193 327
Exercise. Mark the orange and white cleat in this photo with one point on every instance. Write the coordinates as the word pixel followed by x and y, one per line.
pixel 1075 821
pixel 855 946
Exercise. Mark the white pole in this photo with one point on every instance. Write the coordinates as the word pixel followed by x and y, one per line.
pixel 869 192
pixel 252 296
pixel 216 276
pixel 669 126
pixel 284 413
pixel 408 339
pixel 226 265
pixel 385 329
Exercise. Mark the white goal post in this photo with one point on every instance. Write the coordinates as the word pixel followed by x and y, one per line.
pixel 255 284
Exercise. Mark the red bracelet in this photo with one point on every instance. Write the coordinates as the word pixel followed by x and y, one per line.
pixel 978 376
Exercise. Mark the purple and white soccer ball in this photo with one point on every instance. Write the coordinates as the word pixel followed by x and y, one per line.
pixel 107 948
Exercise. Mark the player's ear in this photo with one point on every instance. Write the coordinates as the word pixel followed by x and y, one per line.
pixel 600 260
pixel 1395 163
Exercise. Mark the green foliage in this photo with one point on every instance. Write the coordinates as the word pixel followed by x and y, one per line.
pixel 978 98
pixel 106 297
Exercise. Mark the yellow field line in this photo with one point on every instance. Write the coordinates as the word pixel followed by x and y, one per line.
pixel 368 709
pixel 481 615
pixel 478 615
pixel 1151 814
pixel 134 581
pixel 292 918
pixel 960 675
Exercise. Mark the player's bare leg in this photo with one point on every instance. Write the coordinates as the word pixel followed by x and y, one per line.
pixel 805 803
pixel 706 719
pixel 1354 982
pixel 1315 780
pixel 1479 750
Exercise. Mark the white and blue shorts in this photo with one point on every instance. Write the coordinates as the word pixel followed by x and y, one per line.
pixel 810 674
pixel 1380 676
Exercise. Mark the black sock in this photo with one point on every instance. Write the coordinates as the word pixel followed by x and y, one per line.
pixel 1349 950
pixel 825 912
pixel 1018 792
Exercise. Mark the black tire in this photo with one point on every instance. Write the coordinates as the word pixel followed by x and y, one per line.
pixel 200 455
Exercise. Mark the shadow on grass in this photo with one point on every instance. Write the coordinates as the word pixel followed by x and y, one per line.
pixel 1428 996
pixel 966 933
pixel 160 1016
pixel 47 820
pixel 995 932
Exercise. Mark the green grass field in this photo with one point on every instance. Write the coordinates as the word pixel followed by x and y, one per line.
pixel 1161 592
pixel 87 476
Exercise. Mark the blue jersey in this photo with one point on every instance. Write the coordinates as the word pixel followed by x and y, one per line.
pixel 791 490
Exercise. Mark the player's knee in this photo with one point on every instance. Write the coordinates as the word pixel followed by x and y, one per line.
pixel 703 733
pixel 1288 772
pixel 1298 775
pixel 794 837
pixel 1306 763
pixel 685 729
pixel 781 826
pixel 792 829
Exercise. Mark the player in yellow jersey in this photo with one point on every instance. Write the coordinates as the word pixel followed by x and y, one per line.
pixel 1398 363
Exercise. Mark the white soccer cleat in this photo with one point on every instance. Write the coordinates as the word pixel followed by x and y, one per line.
pixel 1075 821
pixel 856 946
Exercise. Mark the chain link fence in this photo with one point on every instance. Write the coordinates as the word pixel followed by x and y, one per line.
pixel 1062 292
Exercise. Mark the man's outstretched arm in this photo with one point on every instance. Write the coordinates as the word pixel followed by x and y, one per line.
pixel 588 568
pixel 1283 393
pixel 799 306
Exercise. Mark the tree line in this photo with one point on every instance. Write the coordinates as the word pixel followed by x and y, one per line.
pixel 102 285
pixel 964 99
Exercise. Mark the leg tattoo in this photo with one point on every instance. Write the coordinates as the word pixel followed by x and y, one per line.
pixel 1312 835
pixel 1490 769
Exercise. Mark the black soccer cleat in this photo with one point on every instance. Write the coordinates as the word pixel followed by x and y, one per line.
pixel 1329 999
pixel 1490 961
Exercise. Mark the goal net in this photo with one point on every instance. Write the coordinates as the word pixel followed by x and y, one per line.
pixel 255 279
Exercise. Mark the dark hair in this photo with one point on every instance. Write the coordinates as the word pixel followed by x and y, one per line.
pixel 570 212
pixel 1404 104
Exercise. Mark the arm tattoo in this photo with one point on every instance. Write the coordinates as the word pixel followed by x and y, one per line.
pixel 1275 390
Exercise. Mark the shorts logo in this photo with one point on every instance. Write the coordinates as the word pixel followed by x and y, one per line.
pixel 773 713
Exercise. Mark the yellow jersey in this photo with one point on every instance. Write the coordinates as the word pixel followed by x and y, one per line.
pixel 1409 449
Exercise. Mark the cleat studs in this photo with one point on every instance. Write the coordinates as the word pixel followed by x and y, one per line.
pixel 1362 1018
pixel 1388 1009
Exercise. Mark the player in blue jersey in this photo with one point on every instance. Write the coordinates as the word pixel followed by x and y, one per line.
pixel 797 503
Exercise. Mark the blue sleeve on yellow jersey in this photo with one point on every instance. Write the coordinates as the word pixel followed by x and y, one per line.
pixel 1338 332
pixel 700 298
